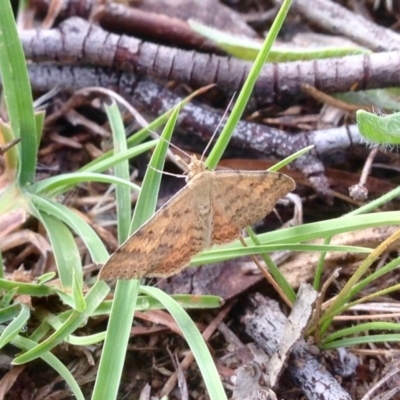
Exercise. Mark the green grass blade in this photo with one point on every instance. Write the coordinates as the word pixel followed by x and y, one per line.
pixel 17 93
pixel 60 184
pixel 248 48
pixel 223 254
pixel 53 362
pixel 389 267
pixel 288 160
pixel 10 312
pixel 40 332
pixel 93 243
pixel 273 269
pixel 196 342
pixel 30 289
pixel 48 276
pixel 360 328
pixel 308 232
pixel 126 292
pixel 65 250
pixel 109 160
pixel 245 93
pixel 187 301
pixel 147 200
pixel 77 291
pixel 93 299
pixel 56 322
pixel 8 297
pixel 121 171
pixel 116 340
pixel 315 230
pixel 368 339
pixel 15 327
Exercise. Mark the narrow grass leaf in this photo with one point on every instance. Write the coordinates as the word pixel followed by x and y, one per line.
pixel 368 339
pixel 389 267
pixel 8 313
pixel 40 332
pixel 195 341
pixel 244 95
pixel 65 251
pixel 273 269
pixel 60 184
pixel 147 200
pixel 17 93
pixel 248 48
pixel 8 297
pixel 93 243
pixel 30 289
pixel 39 123
pixel 361 328
pixel 15 326
pixel 56 322
pixel 344 294
pixel 289 159
pixel 316 230
pixel 121 171
pixel 77 291
pixel 88 340
pixel 187 301
pixel 53 362
pixel 218 255
pixel 108 161
pixel 374 204
pixel 126 292
pixel 42 279
pixel 93 299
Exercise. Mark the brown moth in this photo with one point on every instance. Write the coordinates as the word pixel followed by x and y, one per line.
pixel 212 208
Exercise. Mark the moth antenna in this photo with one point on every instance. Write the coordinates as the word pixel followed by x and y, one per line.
pixel 178 161
pixel 138 117
pixel 218 126
pixel 175 147
pixel 167 173
pixel 116 97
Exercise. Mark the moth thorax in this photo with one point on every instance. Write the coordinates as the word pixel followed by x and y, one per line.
pixel 195 167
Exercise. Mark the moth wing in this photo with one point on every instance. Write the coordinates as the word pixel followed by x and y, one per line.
pixel 163 245
pixel 240 198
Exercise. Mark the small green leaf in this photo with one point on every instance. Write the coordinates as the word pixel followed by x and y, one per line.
pixel 376 129
pixel 46 277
